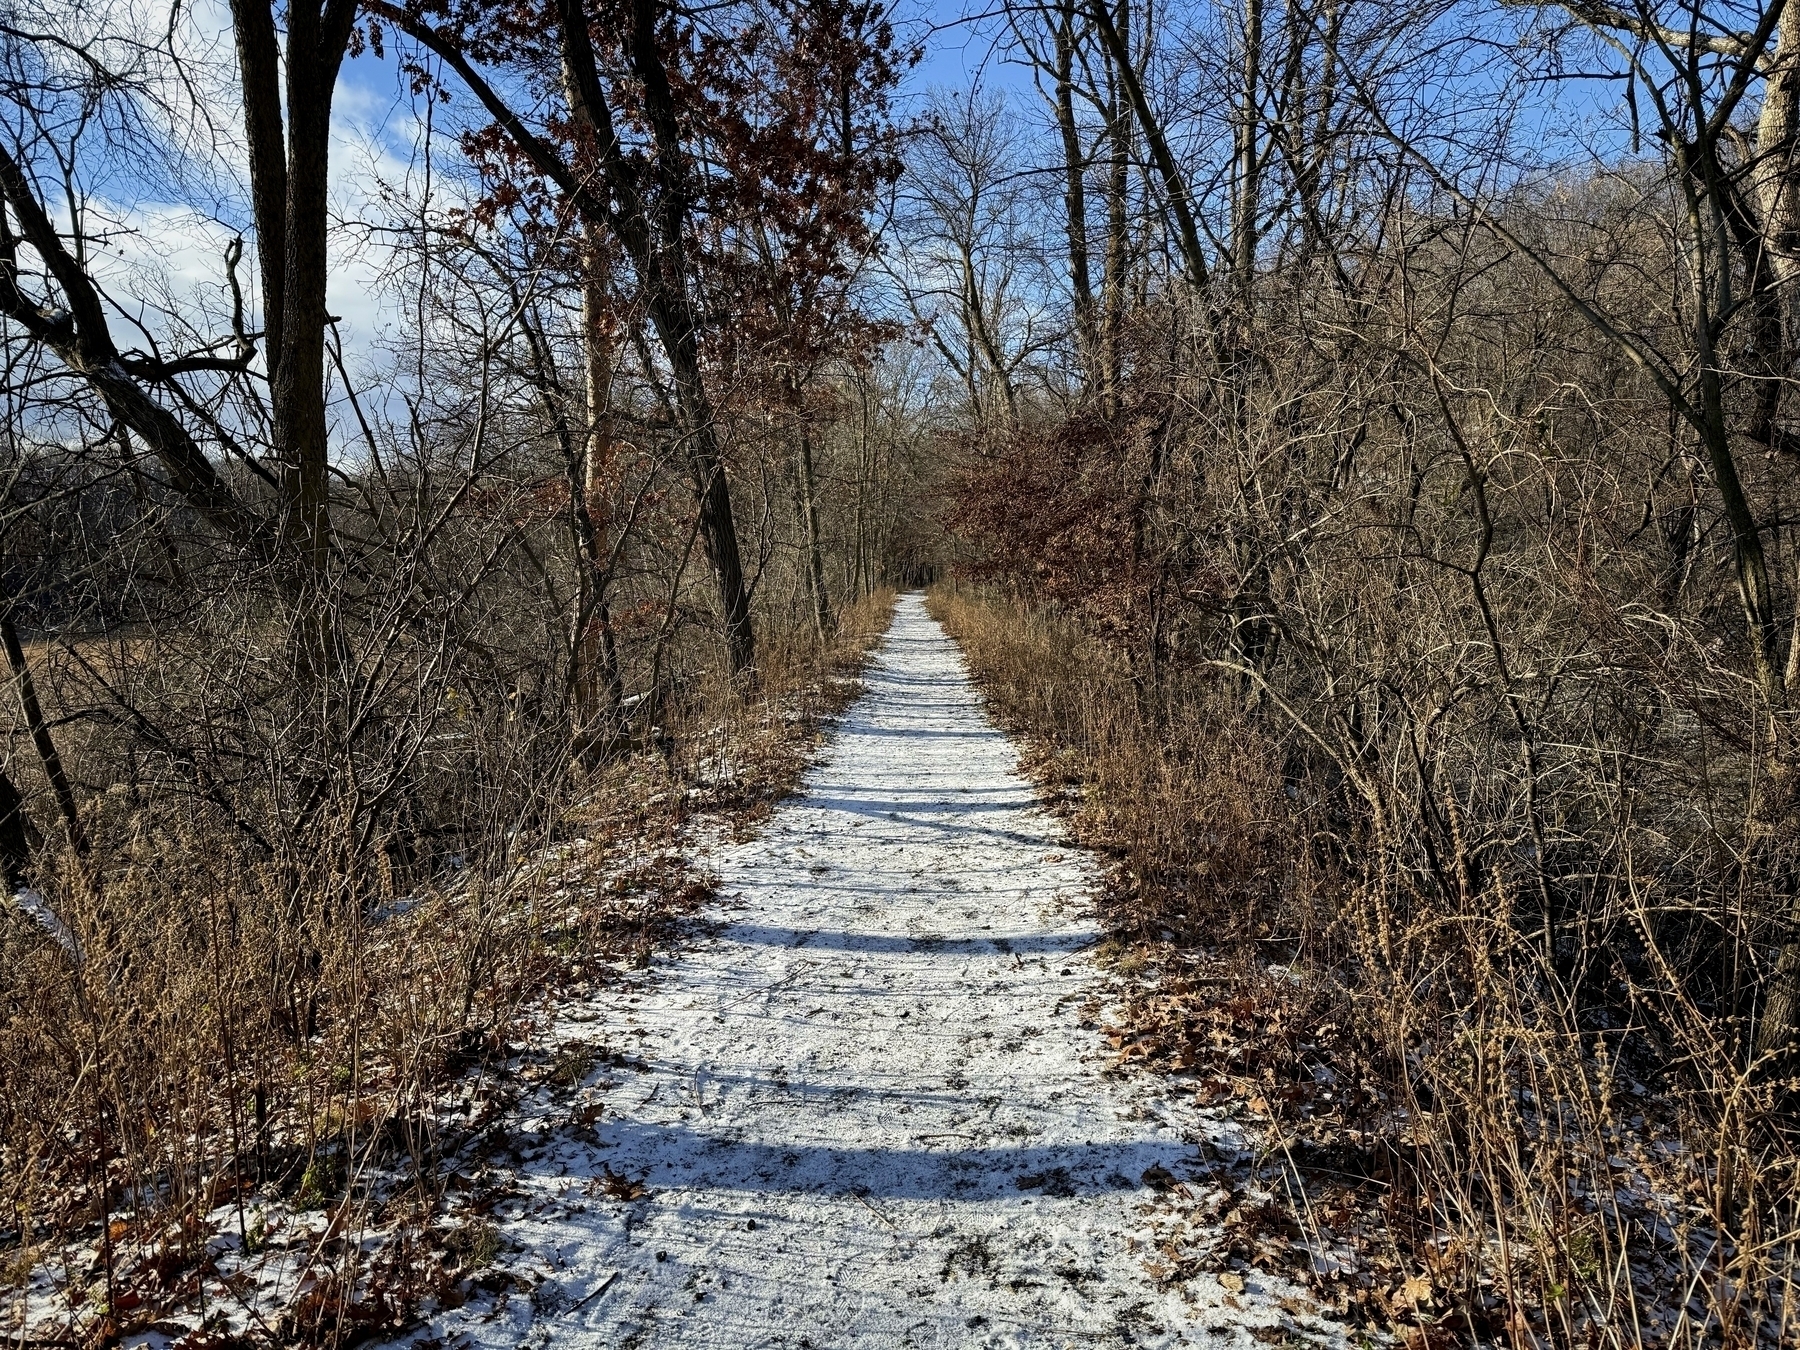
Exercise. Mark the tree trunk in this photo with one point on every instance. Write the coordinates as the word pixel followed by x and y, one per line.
pixel 1248 203
pixel 1117 258
pixel 1087 337
pixel 645 207
pixel 15 835
pixel 1116 38
pixel 316 38
pixel 859 569
pixel 41 739
pixel 259 70
pixel 598 691
pixel 1774 176
pixel 815 547
pixel 652 230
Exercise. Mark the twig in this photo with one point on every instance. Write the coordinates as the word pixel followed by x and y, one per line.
pixel 863 1200
pixel 593 1293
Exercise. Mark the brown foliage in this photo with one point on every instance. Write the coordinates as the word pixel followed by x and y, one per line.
pixel 230 1044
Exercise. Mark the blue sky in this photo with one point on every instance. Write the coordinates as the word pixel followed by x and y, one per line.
pixel 958 48
pixel 377 127
pixel 377 135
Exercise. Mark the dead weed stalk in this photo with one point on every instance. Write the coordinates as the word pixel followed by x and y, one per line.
pixel 236 1061
pixel 1484 1140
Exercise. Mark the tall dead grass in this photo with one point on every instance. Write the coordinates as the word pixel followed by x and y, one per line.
pixel 1478 1151
pixel 220 1030
pixel 1193 847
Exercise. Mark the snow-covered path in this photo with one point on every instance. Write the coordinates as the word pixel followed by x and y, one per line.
pixel 874 1112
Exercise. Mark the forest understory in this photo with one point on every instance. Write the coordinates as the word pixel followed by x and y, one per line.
pixel 1455 1163
pixel 456 459
pixel 355 1181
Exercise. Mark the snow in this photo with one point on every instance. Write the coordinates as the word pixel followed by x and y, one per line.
pixel 38 909
pixel 873 1108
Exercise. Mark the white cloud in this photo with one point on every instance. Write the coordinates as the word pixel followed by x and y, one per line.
pixel 163 224
pixel 163 199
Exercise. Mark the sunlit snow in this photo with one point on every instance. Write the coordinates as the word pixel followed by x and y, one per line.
pixel 875 1112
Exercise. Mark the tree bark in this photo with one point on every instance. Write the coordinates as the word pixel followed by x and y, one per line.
pixel 616 201
pixel 1248 197
pixel 259 69
pixel 599 692
pixel 1187 229
pixel 41 739
pixel 655 242
pixel 15 835
pixel 317 35
pixel 1117 259
pixel 815 547
pixel 1774 176
pixel 1087 336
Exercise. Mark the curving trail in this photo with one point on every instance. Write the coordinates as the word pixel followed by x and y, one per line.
pixel 875 1113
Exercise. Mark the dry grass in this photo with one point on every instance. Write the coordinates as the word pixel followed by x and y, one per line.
pixel 223 1047
pixel 1466 1160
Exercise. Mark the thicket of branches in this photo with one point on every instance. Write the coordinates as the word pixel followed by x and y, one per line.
pixel 316 643
pixel 1411 472
pixel 1370 422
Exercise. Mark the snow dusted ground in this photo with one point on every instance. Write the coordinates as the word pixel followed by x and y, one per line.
pixel 874 1108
